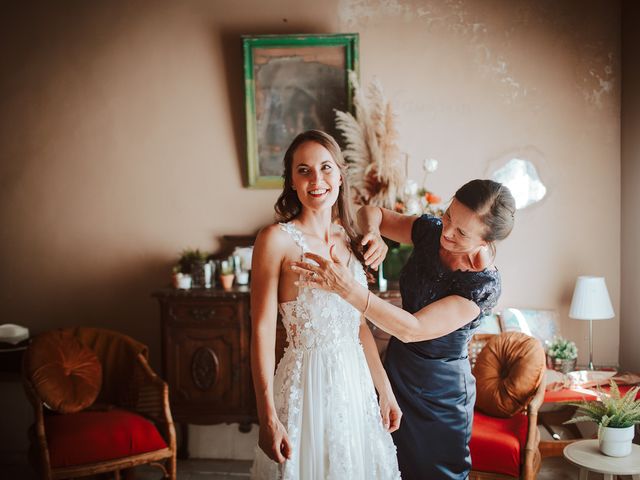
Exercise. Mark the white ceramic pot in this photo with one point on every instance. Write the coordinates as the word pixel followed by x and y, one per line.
pixel 615 442
pixel 184 281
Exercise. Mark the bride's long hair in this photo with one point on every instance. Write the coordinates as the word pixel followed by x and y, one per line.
pixel 288 205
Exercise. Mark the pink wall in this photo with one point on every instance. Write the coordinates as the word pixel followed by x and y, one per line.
pixel 122 139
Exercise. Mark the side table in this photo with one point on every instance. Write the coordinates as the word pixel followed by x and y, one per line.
pixel 586 455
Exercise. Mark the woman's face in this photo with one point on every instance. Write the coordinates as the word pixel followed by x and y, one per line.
pixel 462 230
pixel 315 176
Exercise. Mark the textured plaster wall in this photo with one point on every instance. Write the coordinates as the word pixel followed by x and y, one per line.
pixel 121 139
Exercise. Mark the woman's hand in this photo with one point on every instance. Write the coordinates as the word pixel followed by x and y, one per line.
pixel 274 441
pixel 330 275
pixel 376 249
pixel 390 411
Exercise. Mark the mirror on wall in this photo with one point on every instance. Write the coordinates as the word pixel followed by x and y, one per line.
pixel 521 176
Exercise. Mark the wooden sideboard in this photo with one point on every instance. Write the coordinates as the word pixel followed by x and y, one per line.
pixel 206 355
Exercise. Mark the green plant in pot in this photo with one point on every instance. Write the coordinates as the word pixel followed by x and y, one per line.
pixel 227 274
pixel 192 262
pixel 616 416
pixel 562 355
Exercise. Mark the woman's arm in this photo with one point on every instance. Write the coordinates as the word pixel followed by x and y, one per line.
pixel 375 223
pixel 389 224
pixel 389 408
pixel 433 321
pixel 265 274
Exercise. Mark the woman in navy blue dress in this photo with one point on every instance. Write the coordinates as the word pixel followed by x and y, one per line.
pixel 447 285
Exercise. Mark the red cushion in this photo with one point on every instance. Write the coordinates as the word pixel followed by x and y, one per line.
pixel 94 436
pixel 496 443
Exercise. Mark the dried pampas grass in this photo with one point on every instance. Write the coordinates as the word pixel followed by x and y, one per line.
pixel 374 160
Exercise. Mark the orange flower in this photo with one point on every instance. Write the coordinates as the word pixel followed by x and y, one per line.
pixel 432 197
pixel 399 207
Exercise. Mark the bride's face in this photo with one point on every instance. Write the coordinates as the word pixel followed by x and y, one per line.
pixel 315 176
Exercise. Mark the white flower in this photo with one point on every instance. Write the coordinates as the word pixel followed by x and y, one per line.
pixel 430 165
pixel 413 207
pixel 410 188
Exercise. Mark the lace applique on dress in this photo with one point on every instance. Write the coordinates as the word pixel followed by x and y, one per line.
pixel 324 394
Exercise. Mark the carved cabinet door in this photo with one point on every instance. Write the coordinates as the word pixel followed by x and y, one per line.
pixel 205 360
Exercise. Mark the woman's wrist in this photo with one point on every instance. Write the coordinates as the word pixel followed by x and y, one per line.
pixel 358 296
pixel 369 219
pixel 267 413
pixel 385 390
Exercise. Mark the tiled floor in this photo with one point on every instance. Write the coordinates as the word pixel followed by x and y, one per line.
pixel 201 469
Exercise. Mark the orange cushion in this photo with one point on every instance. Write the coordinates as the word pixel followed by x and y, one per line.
pixel 497 443
pixel 508 372
pixel 96 436
pixel 66 375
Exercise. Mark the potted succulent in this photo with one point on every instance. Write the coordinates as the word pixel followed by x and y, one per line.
pixel 226 274
pixel 193 262
pixel 562 355
pixel 616 417
pixel 179 279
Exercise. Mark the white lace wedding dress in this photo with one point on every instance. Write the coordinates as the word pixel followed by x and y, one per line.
pixel 324 394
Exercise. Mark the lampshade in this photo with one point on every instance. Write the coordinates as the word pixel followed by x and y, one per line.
pixel 591 300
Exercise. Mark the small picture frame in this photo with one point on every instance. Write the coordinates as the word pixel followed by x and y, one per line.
pixel 293 83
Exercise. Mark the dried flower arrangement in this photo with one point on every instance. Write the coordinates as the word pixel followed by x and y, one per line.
pixel 374 160
pixel 376 167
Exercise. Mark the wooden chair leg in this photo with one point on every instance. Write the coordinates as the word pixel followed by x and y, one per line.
pixel 172 469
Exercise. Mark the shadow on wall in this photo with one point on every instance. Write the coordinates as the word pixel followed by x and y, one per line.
pixel 118 300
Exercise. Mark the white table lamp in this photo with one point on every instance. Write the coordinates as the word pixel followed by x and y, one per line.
pixel 591 302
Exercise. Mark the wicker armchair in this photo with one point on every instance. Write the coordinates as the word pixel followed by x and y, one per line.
pixel 132 397
pixel 500 445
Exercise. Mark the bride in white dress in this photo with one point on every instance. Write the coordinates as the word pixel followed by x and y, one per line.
pixel 319 416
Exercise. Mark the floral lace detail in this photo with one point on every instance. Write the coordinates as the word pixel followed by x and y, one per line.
pixel 323 377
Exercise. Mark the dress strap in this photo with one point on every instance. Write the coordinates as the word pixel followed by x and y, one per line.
pixel 296 234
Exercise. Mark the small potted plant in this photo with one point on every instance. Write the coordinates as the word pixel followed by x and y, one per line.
pixel 193 262
pixel 179 279
pixel 616 417
pixel 562 355
pixel 226 274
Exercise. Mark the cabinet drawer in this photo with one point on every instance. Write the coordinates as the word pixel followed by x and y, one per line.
pixel 199 313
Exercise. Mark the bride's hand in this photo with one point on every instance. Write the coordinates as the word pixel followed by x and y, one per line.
pixel 390 411
pixel 274 441
pixel 330 275
pixel 376 249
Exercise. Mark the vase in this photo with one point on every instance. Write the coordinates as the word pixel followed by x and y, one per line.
pixel 197 274
pixel 561 364
pixel 615 442
pixel 207 274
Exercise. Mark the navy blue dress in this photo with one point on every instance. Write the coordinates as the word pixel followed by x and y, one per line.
pixel 432 380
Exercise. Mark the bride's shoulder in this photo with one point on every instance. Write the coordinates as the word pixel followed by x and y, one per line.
pixel 272 238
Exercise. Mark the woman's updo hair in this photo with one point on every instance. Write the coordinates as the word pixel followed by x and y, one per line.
pixel 493 203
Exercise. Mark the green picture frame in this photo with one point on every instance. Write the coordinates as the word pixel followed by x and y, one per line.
pixel 293 83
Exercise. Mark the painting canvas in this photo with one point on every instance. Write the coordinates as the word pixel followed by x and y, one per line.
pixel 293 83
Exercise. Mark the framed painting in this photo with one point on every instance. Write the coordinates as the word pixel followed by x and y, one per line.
pixel 293 83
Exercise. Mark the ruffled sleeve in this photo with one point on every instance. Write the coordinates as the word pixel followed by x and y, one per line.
pixel 425 230
pixel 482 288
